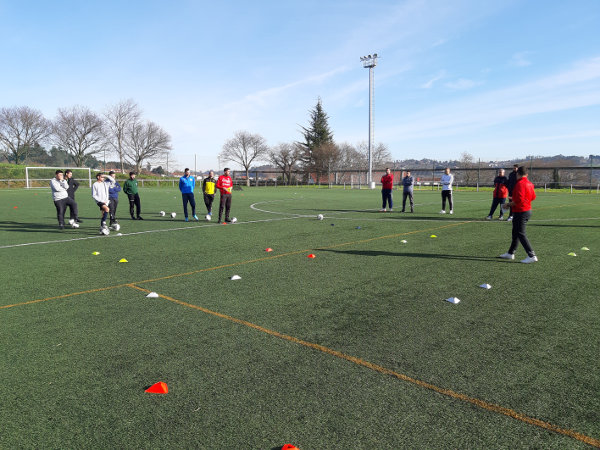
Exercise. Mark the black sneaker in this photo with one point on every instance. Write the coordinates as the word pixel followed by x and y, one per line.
pixel 132 218
pixel 61 227
pixel 140 218
pixel 228 220
pixel 78 220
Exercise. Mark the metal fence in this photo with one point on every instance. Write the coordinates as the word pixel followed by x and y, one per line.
pixel 572 179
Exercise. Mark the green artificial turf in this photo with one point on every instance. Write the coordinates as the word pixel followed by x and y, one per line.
pixel 81 341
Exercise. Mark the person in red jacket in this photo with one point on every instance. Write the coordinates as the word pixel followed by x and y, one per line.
pixel 500 194
pixel 387 185
pixel 225 185
pixel 522 196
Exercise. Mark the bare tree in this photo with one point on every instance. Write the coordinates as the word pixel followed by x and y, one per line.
pixel 145 142
pixel 380 154
pixel 20 129
pixel 467 161
pixel 119 118
pixel 79 131
pixel 351 158
pixel 245 148
pixel 285 156
pixel 325 157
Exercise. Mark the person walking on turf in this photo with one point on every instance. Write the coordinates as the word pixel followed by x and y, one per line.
pixel 499 195
pixel 73 186
pixel 387 185
pixel 447 180
pixel 60 196
pixel 523 195
pixel 512 180
pixel 187 184
pixel 113 194
pixel 100 196
pixel 225 185
pixel 208 190
pixel 130 187
pixel 408 183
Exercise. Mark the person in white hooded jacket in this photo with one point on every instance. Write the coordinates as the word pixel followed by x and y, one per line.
pixel 60 187
pixel 101 196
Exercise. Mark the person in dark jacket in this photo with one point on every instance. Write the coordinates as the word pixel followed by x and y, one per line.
pixel 512 180
pixel 499 195
pixel 73 186
pixel 113 194
pixel 408 183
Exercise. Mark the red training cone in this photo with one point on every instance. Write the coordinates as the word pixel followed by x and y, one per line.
pixel 312 255
pixel 289 447
pixel 268 249
pixel 158 388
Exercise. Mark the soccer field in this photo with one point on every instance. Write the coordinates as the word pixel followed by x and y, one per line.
pixel 355 348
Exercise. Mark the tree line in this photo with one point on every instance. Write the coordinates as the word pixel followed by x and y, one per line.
pixel 316 152
pixel 82 133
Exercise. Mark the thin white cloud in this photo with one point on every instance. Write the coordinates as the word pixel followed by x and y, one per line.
pixel 429 84
pixel 520 59
pixel 462 84
pixel 574 88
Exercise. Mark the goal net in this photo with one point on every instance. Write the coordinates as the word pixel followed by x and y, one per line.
pixel 39 177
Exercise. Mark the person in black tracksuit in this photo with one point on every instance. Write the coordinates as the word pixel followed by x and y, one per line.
pixel 113 194
pixel 512 180
pixel 73 186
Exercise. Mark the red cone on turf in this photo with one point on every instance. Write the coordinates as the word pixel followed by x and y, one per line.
pixel 15 207
pixel 268 249
pixel 289 447
pixel 312 255
pixel 158 388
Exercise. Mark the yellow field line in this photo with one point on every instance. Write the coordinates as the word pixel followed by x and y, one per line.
pixel 208 269
pixel 447 392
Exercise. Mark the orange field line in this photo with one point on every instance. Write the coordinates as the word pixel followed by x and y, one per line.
pixel 447 392
pixel 208 269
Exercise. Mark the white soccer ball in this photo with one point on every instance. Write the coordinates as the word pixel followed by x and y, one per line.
pixel 116 227
pixel 74 224
pixel 162 214
pixel 234 220
pixel 71 222
pixel 105 231
pixel 208 217
pixel 320 217
pixel 173 215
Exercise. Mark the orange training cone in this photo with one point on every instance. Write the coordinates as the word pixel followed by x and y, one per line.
pixel 312 255
pixel 289 447
pixel 268 249
pixel 158 388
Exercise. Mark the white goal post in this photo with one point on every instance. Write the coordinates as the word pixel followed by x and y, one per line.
pixel 45 174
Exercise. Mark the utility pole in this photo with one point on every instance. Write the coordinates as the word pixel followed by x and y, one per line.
pixel 369 62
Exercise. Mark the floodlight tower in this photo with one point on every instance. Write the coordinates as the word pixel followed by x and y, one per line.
pixel 370 62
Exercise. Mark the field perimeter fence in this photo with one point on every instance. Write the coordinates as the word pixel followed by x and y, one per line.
pixel 572 179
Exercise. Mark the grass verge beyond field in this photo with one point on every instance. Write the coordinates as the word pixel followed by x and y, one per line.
pixel 81 341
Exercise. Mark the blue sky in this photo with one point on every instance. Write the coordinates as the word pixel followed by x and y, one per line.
pixel 497 79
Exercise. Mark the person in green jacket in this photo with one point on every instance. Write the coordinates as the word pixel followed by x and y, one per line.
pixel 130 187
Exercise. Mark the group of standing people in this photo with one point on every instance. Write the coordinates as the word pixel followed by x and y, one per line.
pixel 516 188
pixel 187 184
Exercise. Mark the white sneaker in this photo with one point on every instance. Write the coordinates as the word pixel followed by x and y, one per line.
pixel 509 219
pixel 382 210
pixel 507 256
pixel 501 218
pixel 529 260
pixel 488 218
pixel 442 212
pixel 451 212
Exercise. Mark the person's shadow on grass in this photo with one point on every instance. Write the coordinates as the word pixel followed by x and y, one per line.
pixel 414 255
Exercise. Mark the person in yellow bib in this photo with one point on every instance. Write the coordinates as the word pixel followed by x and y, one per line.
pixel 208 188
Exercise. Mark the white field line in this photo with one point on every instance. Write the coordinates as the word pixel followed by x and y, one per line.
pixel 58 241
